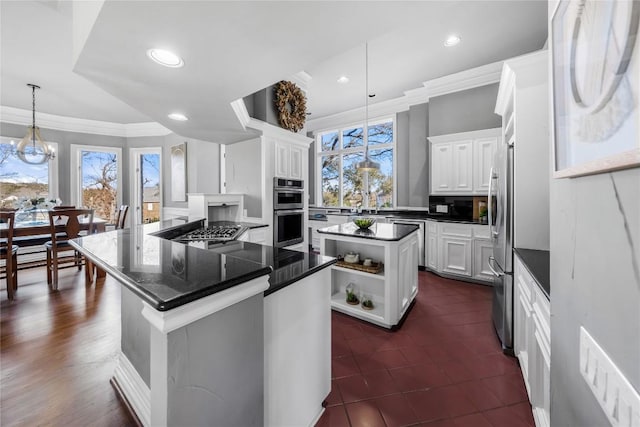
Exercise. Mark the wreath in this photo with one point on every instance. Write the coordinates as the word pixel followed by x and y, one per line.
pixel 292 106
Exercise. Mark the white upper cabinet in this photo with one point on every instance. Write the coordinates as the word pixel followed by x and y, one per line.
pixel 484 149
pixel 290 160
pixel 461 162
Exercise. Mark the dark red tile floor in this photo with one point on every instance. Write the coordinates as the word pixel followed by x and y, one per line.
pixel 443 368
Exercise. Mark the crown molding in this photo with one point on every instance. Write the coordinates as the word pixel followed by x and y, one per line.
pixel 302 79
pixel 464 80
pixel 531 70
pixel 19 116
pixel 474 134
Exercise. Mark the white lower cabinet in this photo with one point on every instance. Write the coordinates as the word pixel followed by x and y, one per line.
pixel 255 235
pixel 532 341
pixel 460 250
pixel 456 255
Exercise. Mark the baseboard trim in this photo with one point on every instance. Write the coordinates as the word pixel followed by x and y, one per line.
pixel 133 390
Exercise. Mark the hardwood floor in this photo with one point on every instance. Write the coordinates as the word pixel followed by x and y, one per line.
pixel 58 352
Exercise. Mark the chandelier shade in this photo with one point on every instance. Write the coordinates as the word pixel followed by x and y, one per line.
pixel 32 149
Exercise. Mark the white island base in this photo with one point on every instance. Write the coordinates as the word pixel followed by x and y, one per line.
pixel 392 290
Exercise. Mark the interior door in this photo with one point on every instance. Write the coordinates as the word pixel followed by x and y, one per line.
pixel 146 195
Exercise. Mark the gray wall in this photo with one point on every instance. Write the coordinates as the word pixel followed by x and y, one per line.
pixel 260 105
pixel 402 158
pixel 419 155
pixel 595 283
pixel 240 178
pixel 464 111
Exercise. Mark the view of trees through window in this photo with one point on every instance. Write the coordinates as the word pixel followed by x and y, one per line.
pixel 340 151
pixel 99 174
pixel 150 174
pixel 19 180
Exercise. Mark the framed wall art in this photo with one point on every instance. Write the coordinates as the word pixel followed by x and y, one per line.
pixel 595 58
pixel 179 173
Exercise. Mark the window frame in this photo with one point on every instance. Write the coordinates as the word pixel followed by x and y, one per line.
pixel 76 164
pixel 53 179
pixel 340 152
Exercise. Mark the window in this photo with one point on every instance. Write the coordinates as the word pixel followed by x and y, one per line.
pixel 19 180
pixel 339 151
pixel 96 179
pixel 146 184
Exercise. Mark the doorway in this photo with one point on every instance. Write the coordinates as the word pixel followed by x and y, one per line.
pixel 146 194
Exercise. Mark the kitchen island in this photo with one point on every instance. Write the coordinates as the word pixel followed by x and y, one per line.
pixel 217 335
pixel 390 283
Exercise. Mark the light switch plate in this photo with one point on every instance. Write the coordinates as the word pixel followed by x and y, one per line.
pixel 617 397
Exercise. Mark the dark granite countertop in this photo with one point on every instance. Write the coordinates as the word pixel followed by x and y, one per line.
pixel 379 231
pixel 288 266
pixel 168 274
pixel 537 263
pixel 396 214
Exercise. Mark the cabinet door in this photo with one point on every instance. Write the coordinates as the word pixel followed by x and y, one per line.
pixel 483 151
pixel 522 326
pixel 456 256
pixel 296 163
pixel 408 283
pixel 282 160
pixel 431 245
pixel 482 250
pixel 441 167
pixel 462 171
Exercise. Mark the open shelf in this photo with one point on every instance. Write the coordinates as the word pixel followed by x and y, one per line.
pixel 359 273
pixel 339 302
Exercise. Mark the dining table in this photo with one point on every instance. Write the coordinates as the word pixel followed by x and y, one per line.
pixel 31 228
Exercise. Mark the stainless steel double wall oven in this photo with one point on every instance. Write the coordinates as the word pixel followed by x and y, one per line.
pixel 288 212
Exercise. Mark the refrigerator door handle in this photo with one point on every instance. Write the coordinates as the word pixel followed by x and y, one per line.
pixel 490 203
pixel 495 273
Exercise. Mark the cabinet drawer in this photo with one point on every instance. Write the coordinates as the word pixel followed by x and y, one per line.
pixel 455 230
pixel 481 231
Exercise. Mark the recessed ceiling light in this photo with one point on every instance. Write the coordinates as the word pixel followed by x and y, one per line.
pixel 452 40
pixel 343 79
pixel 166 58
pixel 178 116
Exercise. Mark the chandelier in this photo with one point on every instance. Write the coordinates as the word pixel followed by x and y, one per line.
pixel 367 164
pixel 32 149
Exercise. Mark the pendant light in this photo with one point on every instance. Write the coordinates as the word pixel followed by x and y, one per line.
pixel 32 149
pixel 367 164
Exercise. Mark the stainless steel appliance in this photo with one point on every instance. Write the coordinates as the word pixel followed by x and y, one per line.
pixel 500 213
pixel 217 233
pixel 288 213
pixel 288 194
pixel 421 235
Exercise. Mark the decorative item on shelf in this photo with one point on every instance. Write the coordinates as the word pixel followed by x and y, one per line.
pixel 364 223
pixel 351 294
pixel 351 257
pixel 32 149
pixel 366 302
pixel 291 105
pixel 482 212
pixel 367 164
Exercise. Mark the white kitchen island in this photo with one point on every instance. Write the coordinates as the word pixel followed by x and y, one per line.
pixel 393 289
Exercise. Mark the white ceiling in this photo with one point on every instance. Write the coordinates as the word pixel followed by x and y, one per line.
pixel 232 49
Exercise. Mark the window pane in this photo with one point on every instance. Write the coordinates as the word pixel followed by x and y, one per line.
pixel 100 183
pixel 351 180
pixel 381 181
pixel 150 174
pixel 19 180
pixel 329 141
pixel 380 134
pixel 330 169
pixel 352 138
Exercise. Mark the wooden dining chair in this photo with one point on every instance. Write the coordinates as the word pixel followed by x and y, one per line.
pixel 66 224
pixel 9 252
pixel 121 216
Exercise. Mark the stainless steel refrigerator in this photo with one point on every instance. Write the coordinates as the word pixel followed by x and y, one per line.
pixel 500 212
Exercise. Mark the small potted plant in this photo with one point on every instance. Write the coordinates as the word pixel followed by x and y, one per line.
pixel 367 303
pixel 352 298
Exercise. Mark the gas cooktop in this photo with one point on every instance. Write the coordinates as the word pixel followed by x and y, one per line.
pixel 217 233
